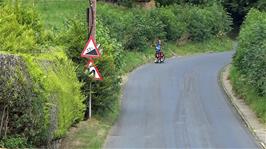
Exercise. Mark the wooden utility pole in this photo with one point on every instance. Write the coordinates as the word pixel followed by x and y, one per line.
pixel 91 19
pixel 93 33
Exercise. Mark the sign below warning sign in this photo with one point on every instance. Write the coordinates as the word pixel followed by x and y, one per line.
pixel 92 71
pixel 90 50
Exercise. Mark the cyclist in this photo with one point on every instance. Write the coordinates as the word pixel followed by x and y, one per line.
pixel 157 50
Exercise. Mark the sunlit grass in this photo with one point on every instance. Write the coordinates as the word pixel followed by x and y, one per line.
pixel 55 12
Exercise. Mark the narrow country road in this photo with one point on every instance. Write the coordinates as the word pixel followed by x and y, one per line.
pixel 179 104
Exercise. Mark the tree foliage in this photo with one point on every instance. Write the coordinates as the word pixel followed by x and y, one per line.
pixel 239 8
pixel 138 28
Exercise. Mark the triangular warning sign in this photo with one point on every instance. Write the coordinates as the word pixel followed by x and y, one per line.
pixel 90 50
pixel 92 71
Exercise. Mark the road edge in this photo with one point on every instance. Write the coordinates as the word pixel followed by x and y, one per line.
pixel 257 129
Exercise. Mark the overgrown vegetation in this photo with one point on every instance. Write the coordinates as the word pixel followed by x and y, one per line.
pixel 250 62
pixel 248 93
pixel 22 112
pixel 105 92
pixel 138 29
pixel 250 59
pixel 21 31
pixel 40 94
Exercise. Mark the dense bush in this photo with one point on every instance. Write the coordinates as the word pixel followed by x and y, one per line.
pixel 112 18
pixel 22 111
pixel 14 142
pixel 59 102
pixel 250 58
pixel 61 90
pixel 207 22
pixel 173 27
pixel 23 28
pixel 105 93
pixel 138 28
pixel 135 29
pixel 142 31
pixel 40 95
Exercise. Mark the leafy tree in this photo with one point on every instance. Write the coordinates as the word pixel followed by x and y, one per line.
pixel 239 8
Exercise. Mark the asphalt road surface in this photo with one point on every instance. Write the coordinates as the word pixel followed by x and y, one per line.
pixel 179 104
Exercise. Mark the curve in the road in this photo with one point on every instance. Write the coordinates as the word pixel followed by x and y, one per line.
pixel 179 104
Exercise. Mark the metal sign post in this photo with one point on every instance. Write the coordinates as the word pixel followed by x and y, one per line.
pixel 91 19
pixel 90 102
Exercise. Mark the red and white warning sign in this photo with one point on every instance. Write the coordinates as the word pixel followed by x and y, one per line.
pixel 90 50
pixel 92 71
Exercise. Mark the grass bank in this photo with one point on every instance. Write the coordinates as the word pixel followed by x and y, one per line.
pixel 248 93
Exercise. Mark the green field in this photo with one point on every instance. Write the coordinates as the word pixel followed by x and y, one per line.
pixel 55 12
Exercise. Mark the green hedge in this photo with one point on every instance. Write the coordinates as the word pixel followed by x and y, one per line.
pixel 58 85
pixel 21 110
pixel 250 58
pixel 40 96
pixel 137 29
pixel 39 102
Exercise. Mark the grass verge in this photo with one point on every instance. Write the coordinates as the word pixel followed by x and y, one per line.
pixel 245 91
pixel 83 136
